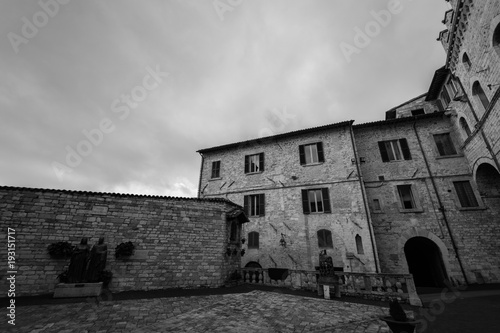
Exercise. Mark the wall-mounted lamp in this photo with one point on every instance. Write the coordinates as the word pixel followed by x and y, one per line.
pixel 493 85
pixel 282 240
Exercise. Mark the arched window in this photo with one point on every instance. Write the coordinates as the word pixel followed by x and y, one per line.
pixel 325 239
pixel 359 245
pixel 466 61
pixel 496 39
pixel 465 126
pixel 253 240
pixel 479 95
pixel 234 231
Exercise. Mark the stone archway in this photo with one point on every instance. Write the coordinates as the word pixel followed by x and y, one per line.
pixel 487 180
pixel 425 262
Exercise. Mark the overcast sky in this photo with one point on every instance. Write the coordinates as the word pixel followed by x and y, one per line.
pixel 117 96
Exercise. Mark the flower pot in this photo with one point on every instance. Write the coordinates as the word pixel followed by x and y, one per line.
pixel 400 326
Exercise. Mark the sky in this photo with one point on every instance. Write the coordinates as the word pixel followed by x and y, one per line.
pixel 118 95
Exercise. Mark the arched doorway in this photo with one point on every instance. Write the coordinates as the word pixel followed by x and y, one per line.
pixel 488 180
pixel 425 262
pixel 253 264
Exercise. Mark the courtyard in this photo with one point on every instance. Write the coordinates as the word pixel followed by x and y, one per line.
pixel 244 309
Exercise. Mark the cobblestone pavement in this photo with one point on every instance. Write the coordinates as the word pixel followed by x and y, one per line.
pixel 256 311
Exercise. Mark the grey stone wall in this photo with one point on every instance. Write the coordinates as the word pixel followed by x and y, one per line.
pixel 179 242
pixel 281 182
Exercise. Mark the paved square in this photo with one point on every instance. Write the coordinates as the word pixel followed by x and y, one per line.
pixel 256 311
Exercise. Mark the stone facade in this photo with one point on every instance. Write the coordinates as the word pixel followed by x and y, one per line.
pixel 282 183
pixel 452 134
pixel 180 242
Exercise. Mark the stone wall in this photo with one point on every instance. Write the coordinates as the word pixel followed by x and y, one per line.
pixel 180 242
pixel 281 182
pixel 472 229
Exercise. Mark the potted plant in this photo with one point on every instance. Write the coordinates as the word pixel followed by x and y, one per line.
pixel 242 252
pixel 60 250
pixel 398 322
pixel 124 250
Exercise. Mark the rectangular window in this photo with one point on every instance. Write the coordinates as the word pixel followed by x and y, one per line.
pixel 417 112
pixel 311 153
pixel 254 205
pixel 445 97
pixel 376 205
pixel 253 240
pixel 451 86
pixel 254 163
pixel 394 150
pixel 406 197
pixel 216 169
pixel 316 201
pixel 465 194
pixel 444 144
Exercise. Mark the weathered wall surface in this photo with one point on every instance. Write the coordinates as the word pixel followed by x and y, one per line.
pixel 179 242
pixel 474 232
pixel 281 182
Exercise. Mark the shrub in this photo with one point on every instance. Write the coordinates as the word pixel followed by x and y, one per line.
pixel 60 250
pixel 396 311
pixel 124 250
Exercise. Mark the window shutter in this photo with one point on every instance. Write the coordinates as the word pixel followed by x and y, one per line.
pixel 261 162
pixel 321 155
pixel 262 205
pixel 305 202
pixel 405 149
pixel 326 200
pixel 383 151
pixel 321 238
pixel 213 170
pixel 302 155
pixel 247 164
pixel 245 204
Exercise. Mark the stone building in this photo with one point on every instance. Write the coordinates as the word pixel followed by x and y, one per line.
pixel 417 192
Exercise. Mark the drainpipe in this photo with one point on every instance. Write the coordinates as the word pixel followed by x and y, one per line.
pixel 365 203
pixel 201 174
pixel 441 207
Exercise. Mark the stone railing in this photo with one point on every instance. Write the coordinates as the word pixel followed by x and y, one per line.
pixel 379 286
pixel 297 279
pixel 366 285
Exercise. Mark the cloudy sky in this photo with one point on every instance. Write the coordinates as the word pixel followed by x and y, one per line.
pixel 117 96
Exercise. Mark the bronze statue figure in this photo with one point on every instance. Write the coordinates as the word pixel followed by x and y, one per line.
pixel 78 263
pixel 97 261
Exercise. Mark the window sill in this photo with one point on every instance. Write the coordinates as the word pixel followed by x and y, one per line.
pixel 254 173
pixel 312 164
pixel 471 208
pixel 213 179
pixel 449 156
pixel 396 161
pixel 413 210
pixel 377 211
pixel 316 213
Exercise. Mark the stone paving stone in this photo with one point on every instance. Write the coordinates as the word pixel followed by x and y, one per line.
pixel 256 311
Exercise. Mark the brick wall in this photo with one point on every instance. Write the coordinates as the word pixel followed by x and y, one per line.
pixel 179 242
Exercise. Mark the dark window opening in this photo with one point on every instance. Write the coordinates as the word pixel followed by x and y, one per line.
pixel 466 61
pixel 325 239
pixel 316 201
pixel 234 231
pixel 216 169
pixel 496 39
pixel 465 126
pixel 406 197
pixel 359 245
pixel 445 144
pixel 394 150
pixel 479 95
pixel 254 205
pixel 253 240
pixel 465 194
pixel 417 112
pixel 254 163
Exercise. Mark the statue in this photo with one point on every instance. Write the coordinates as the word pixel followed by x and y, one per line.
pixel 97 261
pixel 78 263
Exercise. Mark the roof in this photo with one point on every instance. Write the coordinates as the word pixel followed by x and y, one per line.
pixel 271 138
pixel 123 195
pixel 400 120
pixel 437 82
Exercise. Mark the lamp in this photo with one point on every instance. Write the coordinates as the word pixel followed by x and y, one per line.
pixel 493 85
pixel 282 240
